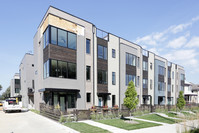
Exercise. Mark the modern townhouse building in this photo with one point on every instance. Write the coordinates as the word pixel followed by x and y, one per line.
pixel 15 85
pixel 78 65
pixel 26 74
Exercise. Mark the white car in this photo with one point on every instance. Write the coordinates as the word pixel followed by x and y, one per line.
pixel 12 104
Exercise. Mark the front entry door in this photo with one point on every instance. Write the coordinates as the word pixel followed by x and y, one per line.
pixel 62 103
pixel 100 101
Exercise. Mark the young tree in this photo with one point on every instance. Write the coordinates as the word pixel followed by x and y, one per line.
pixel 181 102
pixel 131 100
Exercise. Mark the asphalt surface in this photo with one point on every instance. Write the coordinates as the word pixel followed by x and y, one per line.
pixel 29 122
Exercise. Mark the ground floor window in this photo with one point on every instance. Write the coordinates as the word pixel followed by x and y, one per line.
pixel 71 100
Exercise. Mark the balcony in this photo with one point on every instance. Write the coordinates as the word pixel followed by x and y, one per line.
pixel 102 34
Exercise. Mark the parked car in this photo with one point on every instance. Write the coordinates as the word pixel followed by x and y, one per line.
pixel 1 103
pixel 12 104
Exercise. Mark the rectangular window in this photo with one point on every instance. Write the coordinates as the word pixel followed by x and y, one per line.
pixel 127 58
pixel 161 86
pixel 105 53
pixel 145 83
pixel 129 78
pixel 113 100
pixel 72 40
pixel 138 62
pixel 53 35
pixel 161 70
pixel 169 88
pixel 88 75
pixel 151 84
pixel 72 70
pixel 62 38
pixel 46 38
pixel 145 66
pixel 45 65
pixel 113 78
pixel 53 71
pixel 113 53
pixel 102 52
pixel 17 90
pixel 88 97
pixel 138 81
pixel 130 59
pixel 17 81
pixel 87 46
pixel 62 69
pixel 172 88
pixel 102 77
pixel 71 101
pixel 47 69
pixel 169 74
pixel 182 77
pixel 172 75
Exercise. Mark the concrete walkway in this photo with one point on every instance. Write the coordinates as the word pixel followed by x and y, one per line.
pixel 147 120
pixel 104 126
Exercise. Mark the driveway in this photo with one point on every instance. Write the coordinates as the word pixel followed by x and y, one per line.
pixel 29 122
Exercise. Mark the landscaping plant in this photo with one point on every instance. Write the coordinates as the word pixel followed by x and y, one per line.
pixel 131 100
pixel 181 102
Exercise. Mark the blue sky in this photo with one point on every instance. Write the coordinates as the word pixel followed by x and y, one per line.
pixel 168 28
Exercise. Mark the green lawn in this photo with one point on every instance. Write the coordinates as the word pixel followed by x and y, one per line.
pixel 172 115
pixel 154 117
pixel 121 124
pixel 85 128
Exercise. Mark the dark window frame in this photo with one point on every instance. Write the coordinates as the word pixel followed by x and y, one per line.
pixel 113 78
pixel 88 97
pixel 113 53
pixel 103 55
pixel 89 50
pixel 88 78
pixel 67 38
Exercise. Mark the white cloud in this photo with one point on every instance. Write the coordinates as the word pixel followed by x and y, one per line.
pixel 179 28
pixel 194 42
pixel 178 42
pixel 183 57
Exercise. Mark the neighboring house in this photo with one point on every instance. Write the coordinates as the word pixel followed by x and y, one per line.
pixel 15 86
pixel 190 95
pixel 26 70
pixel 78 65
pixel 195 89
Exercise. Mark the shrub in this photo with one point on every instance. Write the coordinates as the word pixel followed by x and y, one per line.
pixel 62 119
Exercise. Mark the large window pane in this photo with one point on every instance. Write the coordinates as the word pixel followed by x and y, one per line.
pixel 127 79
pixel 53 71
pixel 99 75
pixel 88 46
pixel 45 70
pixel 127 58
pixel 88 73
pixel 134 61
pixel 62 69
pixel 105 53
pixel 72 70
pixel 130 59
pixel 62 38
pixel 113 78
pixel 102 77
pixel 100 51
pixel 72 40
pixel 71 100
pixel 47 37
pixel 53 35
